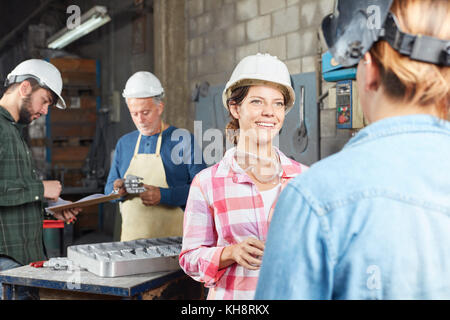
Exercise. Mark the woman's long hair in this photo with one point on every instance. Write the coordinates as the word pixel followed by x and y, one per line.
pixel 413 81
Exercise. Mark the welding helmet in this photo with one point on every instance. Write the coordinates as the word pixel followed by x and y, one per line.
pixel 259 69
pixel 142 84
pixel 46 74
pixel 355 25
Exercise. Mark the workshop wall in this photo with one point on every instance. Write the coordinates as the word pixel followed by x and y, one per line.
pixel 220 33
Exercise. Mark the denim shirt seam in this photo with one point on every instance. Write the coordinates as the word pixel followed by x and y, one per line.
pixel 393 132
pixel 325 229
pixel 321 209
pixel 376 193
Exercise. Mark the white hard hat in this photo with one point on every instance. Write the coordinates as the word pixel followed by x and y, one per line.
pixel 142 84
pixel 257 69
pixel 42 71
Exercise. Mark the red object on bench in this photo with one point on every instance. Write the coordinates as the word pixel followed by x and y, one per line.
pixel 53 224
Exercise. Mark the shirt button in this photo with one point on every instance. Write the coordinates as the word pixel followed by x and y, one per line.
pixel 36 198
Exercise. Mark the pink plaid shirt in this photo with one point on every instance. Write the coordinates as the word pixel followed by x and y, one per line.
pixel 224 207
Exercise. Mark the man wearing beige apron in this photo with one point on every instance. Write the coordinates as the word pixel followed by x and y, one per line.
pixel 147 153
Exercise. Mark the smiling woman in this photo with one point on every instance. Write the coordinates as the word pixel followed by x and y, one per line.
pixel 230 205
pixel 256 101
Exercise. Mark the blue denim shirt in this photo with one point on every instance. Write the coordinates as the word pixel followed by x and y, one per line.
pixel 370 222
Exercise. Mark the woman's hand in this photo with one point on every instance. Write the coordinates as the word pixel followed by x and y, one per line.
pixel 247 253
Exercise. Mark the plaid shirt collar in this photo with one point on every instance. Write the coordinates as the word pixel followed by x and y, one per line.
pixel 229 167
pixel 5 114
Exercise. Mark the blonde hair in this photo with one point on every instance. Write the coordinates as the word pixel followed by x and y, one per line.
pixel 414 81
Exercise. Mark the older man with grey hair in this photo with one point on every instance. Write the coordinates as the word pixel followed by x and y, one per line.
pixel 148 152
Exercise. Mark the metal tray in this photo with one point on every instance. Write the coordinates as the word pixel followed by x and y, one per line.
pixel 115 259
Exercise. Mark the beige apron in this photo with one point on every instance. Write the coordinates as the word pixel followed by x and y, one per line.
pixel 139 221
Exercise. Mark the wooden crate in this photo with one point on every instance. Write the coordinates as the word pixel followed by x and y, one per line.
pixel 72 130
pixel 38 142
pixel 84 101
pixel 76 99
pixel 73 178
pixel 85 116
pixel 66 130
pixel 79 79
pixel 77 72
pixel 74 64
pixel 69 165
pixel 88 218
pixel 75 153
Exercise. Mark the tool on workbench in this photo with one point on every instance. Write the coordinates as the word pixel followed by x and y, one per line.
pixel 134 184
pixel 37 264
pixel 55 264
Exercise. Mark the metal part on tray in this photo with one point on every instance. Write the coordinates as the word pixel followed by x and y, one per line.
pixel 134 184
pixel 114 259
pixel 59 264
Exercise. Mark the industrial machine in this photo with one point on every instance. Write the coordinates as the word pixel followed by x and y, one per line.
pixel 344 96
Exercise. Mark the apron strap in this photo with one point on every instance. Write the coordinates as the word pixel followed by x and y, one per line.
pixel 158 143
pixel 136 148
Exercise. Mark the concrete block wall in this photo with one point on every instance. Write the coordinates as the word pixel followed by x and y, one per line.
pixel 221 32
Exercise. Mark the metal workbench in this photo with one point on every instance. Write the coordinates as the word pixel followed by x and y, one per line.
pixel 127 287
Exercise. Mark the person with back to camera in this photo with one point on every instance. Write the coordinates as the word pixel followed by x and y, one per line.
pixel 372 221
pixel 230 204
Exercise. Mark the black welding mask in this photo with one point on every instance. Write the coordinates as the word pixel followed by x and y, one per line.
pixel 355 25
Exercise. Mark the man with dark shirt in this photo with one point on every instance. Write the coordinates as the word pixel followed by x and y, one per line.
pixel 32 87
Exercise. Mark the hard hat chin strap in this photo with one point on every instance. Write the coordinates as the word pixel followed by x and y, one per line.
pixel 417 47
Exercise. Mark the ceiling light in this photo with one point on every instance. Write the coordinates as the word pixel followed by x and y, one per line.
pixel 91 20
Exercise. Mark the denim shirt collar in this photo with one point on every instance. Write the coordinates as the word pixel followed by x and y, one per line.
pixel 399 125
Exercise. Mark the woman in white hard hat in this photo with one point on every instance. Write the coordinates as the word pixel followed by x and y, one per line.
pixel 373 221
pixel 230 204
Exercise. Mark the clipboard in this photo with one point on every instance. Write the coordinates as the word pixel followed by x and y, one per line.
pixel 84 202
